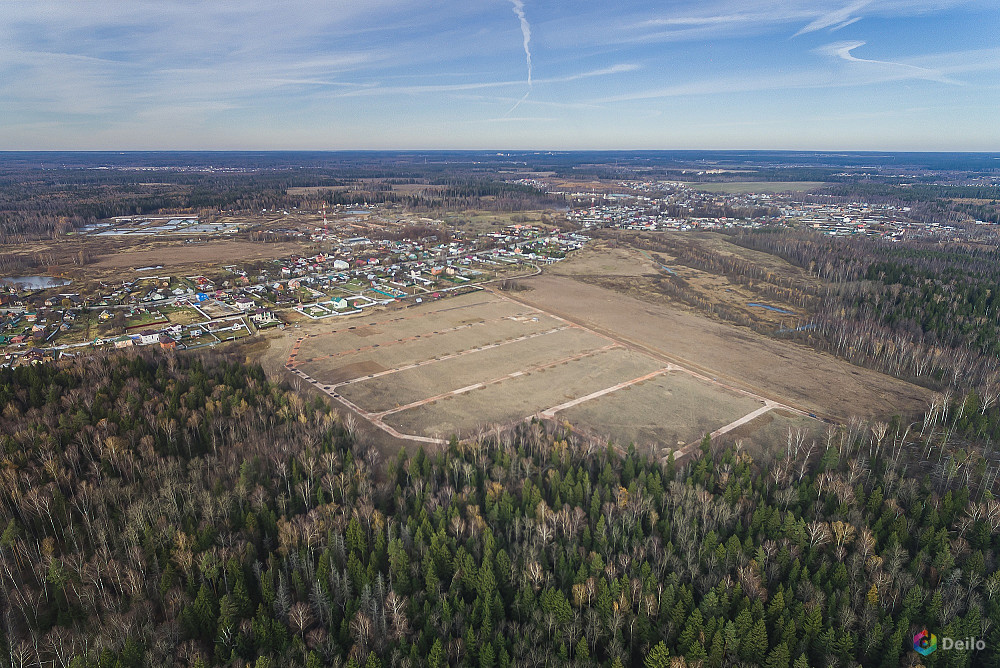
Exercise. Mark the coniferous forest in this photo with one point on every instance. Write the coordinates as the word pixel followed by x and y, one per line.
pixel 163 510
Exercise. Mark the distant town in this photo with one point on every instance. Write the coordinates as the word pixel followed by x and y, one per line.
pixel 677 210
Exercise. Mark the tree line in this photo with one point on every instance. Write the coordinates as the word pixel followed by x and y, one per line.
pixel 918 310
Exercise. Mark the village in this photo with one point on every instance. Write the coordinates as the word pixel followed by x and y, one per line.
pixel 352 274
pixel 656 206
pixel 362 263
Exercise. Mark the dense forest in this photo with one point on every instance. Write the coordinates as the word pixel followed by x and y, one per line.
pixel 163 510
pixel 923 311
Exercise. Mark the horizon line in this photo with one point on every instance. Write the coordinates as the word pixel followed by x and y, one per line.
pixel 496 150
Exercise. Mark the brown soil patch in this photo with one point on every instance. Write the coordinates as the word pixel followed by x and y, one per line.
pixel 365 331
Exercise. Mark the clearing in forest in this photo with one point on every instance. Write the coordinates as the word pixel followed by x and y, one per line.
pixel 456 366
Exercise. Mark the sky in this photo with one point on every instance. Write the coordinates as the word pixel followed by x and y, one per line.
pixel 500 74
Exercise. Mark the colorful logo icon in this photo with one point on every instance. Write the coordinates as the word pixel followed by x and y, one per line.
pixel 924 642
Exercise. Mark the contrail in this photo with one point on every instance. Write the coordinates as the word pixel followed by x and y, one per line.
pixel 517 104
pixel 526 33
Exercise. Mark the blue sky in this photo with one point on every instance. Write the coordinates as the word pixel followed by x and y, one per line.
pixel 518 74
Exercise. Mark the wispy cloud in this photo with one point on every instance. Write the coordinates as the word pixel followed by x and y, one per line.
pixel 518 119
pixel 836 19
pixel 481 85
pixel 708 19
pixel 881 72
pixel 842 50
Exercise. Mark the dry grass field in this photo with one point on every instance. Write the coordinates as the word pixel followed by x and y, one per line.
pixel 393 347
pixel 523 395
pixel 670 410
pixel 613 263
pixel 428 372
pixel 404 387
pixel 178 254
pixel 808 380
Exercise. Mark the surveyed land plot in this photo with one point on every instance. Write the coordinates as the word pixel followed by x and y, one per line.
pixel 429 372
pixel 672 409
pixel 392 390
pixel 401 352
pixel 524 394
pixel 476 322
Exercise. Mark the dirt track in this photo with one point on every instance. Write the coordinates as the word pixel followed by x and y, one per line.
pixel 783 371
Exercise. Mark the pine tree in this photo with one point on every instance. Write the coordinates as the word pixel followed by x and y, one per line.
pixel 779 657
pixel 436 657
pixel 658 657
pixel 689 641
pixel 753 646
pixel 582 651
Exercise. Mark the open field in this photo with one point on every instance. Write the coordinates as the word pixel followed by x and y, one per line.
pixel 409 339
pixel 600 259
pixel 428 372
pixel 402 353
pixel 492 221
pixel 670 410
pixel 523 395
pixel 621 262
pixel 178 254
pixel 403 387
pixel 739 187
pixel 811 381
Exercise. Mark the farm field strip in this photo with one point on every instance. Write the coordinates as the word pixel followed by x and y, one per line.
pixel 346 326
pixel 445 358
pixel 483 310
pixel 551 412
pixel 412 381
pixel 669 411
pixel 390 342
pixel 527 393
pixel 400 354
pixel 500 379
pixel 383 340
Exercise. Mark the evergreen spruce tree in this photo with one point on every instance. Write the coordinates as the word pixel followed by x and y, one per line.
pixel 658 657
